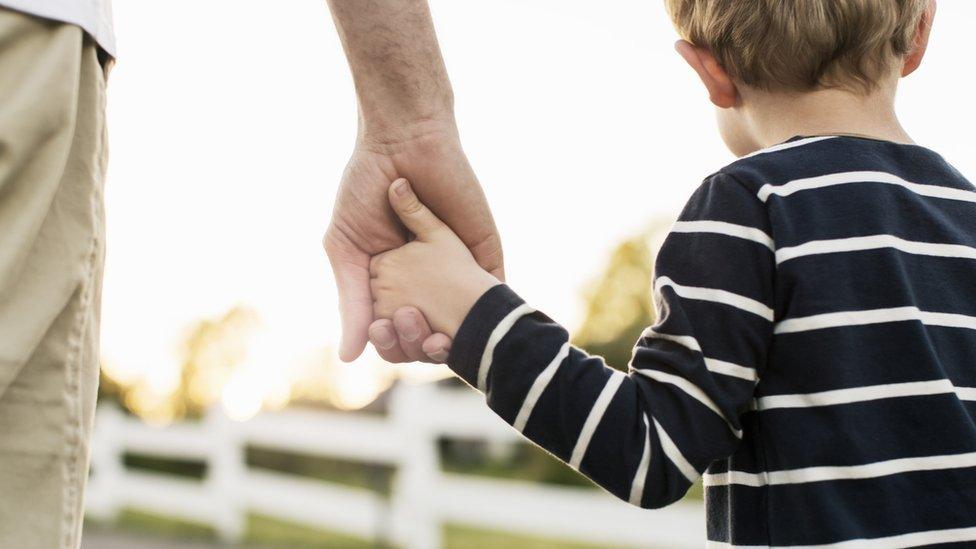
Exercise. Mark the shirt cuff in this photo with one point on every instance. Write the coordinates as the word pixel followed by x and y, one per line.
pixel 472 337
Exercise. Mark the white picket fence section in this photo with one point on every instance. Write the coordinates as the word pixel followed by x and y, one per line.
pixel 423 498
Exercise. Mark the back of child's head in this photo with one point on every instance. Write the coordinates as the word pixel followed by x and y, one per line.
pixel 801 45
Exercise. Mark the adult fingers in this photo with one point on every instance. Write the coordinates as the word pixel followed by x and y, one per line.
pixel 488 253
pixel 351 269
pixel 437 347
pixel 384 338
pixel 412 329
pixel 416 216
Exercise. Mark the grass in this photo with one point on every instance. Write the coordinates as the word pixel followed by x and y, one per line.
pixel 134 520
pixel 463 537
pixel 266 532
pixel 269 532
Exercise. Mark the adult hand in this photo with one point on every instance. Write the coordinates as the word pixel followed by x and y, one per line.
pixel 406 129
pixel 429 155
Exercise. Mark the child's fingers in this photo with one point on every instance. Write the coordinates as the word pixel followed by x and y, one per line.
pixel 416 217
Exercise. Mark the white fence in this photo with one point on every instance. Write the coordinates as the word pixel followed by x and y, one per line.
pixel 423 497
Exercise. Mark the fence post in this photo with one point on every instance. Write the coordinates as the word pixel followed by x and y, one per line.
pixel 102 499
pixel 415 524
pixel 226 470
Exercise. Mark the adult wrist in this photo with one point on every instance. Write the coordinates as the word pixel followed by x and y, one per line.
pixel 378 129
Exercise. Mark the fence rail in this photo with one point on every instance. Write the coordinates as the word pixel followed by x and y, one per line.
pixel 423 497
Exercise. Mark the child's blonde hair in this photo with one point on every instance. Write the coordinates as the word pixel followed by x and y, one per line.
pixel 799 45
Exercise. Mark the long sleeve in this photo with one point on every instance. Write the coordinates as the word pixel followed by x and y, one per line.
pixel 647 435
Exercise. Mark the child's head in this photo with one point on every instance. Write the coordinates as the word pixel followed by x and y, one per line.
pixel 743 49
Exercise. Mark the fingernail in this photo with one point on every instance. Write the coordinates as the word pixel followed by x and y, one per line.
pixel 438 356
pixel 383 337
pixel 406 326
pixel 400 186
pixel 410 332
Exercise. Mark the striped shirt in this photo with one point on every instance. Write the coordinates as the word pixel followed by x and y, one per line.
pixel 814 356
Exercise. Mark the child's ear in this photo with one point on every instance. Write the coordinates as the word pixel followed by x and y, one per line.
pixel 721 89
pixel 921 42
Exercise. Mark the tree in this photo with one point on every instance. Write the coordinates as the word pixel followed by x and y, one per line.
pixel 211 350
pixel 619 304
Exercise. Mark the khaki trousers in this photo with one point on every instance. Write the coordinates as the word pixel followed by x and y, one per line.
pixel 52 165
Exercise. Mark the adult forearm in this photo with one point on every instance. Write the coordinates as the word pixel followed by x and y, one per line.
pixel 399 74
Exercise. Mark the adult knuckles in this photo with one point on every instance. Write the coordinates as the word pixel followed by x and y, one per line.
pixel 379 263
pixel 330 243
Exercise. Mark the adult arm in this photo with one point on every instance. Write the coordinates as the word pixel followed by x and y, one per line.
pixel 406 129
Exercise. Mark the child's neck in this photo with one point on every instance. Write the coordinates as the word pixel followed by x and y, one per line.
pixel 776 117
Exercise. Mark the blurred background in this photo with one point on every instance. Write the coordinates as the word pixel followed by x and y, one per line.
pixel 225 417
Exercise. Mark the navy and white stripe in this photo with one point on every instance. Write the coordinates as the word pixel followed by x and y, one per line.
pixel 814 356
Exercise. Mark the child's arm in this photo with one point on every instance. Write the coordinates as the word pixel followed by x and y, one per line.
pixel 644 436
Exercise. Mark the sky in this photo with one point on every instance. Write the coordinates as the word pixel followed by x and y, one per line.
pixel 231 120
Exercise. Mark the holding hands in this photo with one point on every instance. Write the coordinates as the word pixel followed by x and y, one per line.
pixel 406 130
pixel 435 272
pixel 364 226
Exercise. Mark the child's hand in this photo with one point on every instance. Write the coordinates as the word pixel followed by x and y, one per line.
pixel 435 272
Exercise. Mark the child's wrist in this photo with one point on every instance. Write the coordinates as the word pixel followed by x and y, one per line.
pixel 464 299
pixel 471 339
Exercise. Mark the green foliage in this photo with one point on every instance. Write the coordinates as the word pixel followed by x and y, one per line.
pixel 619 305
pixel 212 349
pixel 189 468
pixel 210 352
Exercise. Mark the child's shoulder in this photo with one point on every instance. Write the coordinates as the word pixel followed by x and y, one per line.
pixel 813 161
pixel 750 178
pixel 796 158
